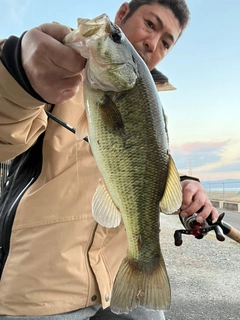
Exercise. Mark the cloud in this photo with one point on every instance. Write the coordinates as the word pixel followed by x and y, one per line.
pixel 198 146
pixel 231 167
pixel 230 153
pixel 209 160
pixel 17 10
pixel 198 153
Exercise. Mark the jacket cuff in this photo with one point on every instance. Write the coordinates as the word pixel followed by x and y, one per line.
pixel 11 59
pixel 182 178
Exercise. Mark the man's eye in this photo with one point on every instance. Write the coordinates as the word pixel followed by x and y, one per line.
pixel 166 45
pixel 150 24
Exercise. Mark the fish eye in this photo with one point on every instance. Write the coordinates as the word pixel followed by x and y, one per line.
pixel 116 37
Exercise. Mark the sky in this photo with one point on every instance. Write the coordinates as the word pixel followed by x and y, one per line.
pixel 204 112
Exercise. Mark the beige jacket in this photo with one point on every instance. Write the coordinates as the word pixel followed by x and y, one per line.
pixel 60 259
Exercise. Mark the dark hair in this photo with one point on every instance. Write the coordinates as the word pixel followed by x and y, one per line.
pixel 178 7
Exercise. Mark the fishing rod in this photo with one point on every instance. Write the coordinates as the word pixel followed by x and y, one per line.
pixel 63 123
pixel 199 230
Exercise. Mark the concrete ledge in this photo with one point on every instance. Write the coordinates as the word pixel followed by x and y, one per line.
pixel 234 206
pixel 217 203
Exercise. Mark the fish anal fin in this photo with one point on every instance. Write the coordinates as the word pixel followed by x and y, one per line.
pixel 134 288
pixel 172 197
pixel 104 210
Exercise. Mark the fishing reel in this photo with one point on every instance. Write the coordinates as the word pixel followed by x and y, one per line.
pixel 199 230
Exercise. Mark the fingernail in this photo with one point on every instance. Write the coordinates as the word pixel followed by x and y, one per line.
pixel 199 219
pixel 184 214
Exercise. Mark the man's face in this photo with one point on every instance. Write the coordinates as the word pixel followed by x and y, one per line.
pixel 152 29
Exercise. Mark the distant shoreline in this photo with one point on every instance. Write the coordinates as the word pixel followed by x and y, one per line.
pixel 225 196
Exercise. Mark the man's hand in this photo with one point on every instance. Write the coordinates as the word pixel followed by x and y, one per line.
pixel 195 198
pixel 53 69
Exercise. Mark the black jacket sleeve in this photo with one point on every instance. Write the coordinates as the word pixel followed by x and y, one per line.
pixel 11 59
pixel 182 178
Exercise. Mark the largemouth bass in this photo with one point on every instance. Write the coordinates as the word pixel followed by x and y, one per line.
pixel 129 141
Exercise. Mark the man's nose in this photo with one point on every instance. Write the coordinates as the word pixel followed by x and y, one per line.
pixel 151 43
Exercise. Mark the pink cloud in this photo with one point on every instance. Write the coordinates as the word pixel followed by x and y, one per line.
pixel 199 146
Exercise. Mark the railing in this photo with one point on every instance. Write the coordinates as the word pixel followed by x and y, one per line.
pixel 225 191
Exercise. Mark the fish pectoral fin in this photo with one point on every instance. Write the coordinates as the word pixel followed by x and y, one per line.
pixel 82 127
pixel 172 197
pixel 111 116
pixel 104 210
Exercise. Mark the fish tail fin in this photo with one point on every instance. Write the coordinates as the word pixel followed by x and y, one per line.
pixel 134 288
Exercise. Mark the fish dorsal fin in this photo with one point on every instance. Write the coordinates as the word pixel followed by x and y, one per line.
pixel 82 127
pixel 172 197
pixel 104 210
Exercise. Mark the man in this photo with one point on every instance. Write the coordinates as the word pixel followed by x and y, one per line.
pixel 59 263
